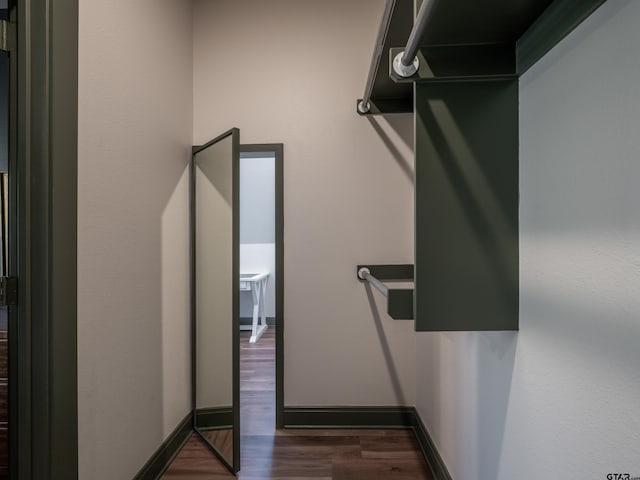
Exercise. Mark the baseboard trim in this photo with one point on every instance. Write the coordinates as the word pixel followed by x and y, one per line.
pixel 244 321
pixel 371 417
pixel 162 458
pixel 306 417
pixel 429 450
pixel 348 417
pixel 214 418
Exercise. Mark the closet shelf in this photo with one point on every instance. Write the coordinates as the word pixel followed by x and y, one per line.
pixel 463 41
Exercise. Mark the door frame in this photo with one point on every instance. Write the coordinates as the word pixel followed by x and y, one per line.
pixel 278 150
pixel 44 156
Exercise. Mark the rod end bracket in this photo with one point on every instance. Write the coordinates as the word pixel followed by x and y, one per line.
pixel 363 108
pixel 405 70
pixel 362 272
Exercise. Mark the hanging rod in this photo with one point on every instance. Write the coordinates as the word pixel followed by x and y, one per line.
pixel 363 105
pixel 406 62
pixel 365 274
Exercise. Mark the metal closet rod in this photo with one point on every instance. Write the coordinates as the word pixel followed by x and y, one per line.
pixel 364 106
pixel 419 26
pixel 405 63
pixel 365 274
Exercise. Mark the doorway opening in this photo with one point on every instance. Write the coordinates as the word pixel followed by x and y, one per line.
pixel 261 288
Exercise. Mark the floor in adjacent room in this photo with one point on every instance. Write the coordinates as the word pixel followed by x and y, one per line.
pixel 4 394
pixel 267 453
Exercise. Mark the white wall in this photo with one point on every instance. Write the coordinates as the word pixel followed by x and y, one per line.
pixel 559 399
pixel 135 133
pixel 290 71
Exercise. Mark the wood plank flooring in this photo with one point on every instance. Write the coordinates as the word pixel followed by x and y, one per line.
pixel 4 394
pixel 222 440
pixel 296 454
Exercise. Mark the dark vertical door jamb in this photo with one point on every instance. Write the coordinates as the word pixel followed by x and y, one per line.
pixel 278 150
pixel 46 176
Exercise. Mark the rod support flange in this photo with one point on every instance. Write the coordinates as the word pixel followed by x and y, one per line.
pixel 364 107
pixel 363 272
pixel 405 70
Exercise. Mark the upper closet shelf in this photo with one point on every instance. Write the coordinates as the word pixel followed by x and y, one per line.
pixel 462 41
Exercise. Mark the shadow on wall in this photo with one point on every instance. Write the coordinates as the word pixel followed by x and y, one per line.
pixel 404 130
pixel 583 328
pixel 573 40
pixel 386 349
pixel 467 406
pixel 175 311
pixel 496 357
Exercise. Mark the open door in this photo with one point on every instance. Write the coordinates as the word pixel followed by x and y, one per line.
pixel 215 283
pixel 6 242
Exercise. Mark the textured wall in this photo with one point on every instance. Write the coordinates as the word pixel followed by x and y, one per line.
pixel 135 132
pixel 290 71
pixel 559 398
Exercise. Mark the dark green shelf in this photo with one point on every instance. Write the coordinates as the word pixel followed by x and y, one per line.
pixel 473 41
pixel 465 100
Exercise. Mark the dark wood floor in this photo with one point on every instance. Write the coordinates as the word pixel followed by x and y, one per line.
pixel 4 394
pixel 292 453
